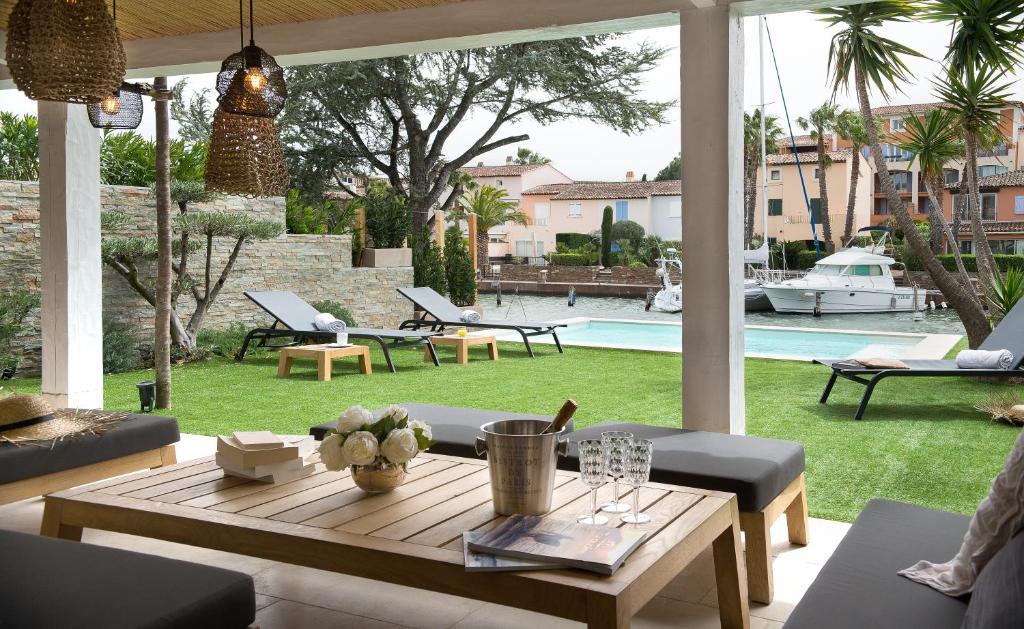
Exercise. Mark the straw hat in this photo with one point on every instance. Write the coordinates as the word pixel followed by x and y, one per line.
pixel 30 418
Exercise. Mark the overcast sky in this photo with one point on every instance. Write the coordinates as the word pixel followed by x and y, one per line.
pixel 585 150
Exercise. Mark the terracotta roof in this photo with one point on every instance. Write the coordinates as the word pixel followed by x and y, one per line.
pixel 803 140
pixel 895 110
pixel 1002 180
pixel 997 227
pixel 806 158
pixel 504 170
pixel 608 189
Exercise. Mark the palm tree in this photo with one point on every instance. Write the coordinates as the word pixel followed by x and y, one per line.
pixel 985 32
pixel 934 141
pixel 752 161
pixel 850 127
pixel 859 53
pixel 492 208
pixel 821 122
pixel 526 157
pixel 973 99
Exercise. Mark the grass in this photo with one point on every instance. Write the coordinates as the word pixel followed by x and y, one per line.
pixel 921 441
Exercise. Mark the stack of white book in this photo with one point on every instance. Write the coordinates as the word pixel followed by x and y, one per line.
pixel 266 457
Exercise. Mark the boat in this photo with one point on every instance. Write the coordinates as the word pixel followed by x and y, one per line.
pixel 669 297
pixel 754 297
pixel 853 280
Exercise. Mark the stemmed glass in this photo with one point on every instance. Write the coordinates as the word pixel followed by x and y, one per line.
pixel 615 442
pixel 593 471
pixel 637 468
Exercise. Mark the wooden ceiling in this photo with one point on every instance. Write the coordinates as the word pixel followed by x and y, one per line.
pixel 142 19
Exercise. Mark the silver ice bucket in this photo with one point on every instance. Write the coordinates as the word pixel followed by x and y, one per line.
pixel 522 464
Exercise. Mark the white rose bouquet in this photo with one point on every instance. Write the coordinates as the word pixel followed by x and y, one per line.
pixel 358 439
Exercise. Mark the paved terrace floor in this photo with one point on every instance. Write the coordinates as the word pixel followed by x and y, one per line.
pixel 291 596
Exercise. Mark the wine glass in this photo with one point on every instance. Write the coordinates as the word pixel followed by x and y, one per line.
pixel 614 442
pixel 637 471
pixel 593 473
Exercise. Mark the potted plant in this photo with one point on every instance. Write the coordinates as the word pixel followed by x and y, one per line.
pixel 387 227
pixel 378 451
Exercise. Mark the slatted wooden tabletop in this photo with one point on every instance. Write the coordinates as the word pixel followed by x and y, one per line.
pixel 413 535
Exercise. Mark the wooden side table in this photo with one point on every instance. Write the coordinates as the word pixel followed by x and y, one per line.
pixel 462 343
pixel 324 355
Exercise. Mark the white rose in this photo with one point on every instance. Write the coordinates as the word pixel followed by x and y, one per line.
pixel 331 453
pixel 400 446
pixel 415 423
pixel 360 448
pixel 353 419
pixel 396 412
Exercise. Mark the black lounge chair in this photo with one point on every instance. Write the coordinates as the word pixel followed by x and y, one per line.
pixel 295 317
pixel 1009 334
pixel 445 314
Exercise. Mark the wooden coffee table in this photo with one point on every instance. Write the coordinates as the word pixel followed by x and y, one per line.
pixel 413 535
pixel 323 355
pixel 461 345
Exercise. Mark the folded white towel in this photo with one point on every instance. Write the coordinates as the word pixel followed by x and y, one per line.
pixel 983 359
pixel 470 316
pixel 327 322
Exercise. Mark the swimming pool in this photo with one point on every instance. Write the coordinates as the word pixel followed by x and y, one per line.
pixel 760 341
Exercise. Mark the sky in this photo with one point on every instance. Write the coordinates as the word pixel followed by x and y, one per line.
pixel 587 151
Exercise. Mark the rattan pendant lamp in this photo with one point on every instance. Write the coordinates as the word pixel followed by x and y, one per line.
pixel 245 157
pixel 250 82
pixel 121 109
pixel 64 50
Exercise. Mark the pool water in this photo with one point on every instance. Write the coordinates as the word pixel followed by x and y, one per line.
pixel 758 341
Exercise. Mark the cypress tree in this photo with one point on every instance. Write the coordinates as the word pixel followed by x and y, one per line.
pixel 606 237
pixel 459 269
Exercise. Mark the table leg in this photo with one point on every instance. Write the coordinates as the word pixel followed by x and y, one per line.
pixel 492 349
pixel 52 526
pixel 284 366
pixel 607 612
pixel 365 365
pixel 730 576
pixel 323 367
pixel 462 353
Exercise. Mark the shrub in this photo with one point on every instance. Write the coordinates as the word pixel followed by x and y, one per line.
pixel 120 348
pixel 15 306
pixel 387 217
pixel 606 236
pixel 225 342
pixel 428 263
pixel 627 230
pixel 332 307
pixel 459 272
pixel 573 240
pixel 804 260
pixel 1003 260
pixel 571 259
pixel 329 217
pixel 788 251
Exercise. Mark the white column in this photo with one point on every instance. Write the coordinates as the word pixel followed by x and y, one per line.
pixel 711 51
pixel 69 208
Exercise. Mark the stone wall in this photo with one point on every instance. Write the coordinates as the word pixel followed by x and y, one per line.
pixel 314 267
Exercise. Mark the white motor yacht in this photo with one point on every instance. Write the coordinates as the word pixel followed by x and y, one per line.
pixel 852 280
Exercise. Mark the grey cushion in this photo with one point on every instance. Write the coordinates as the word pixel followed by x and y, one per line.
pixel 454 429
pixel 858 587
pixel 998 598
pixel 753 468
pixel 49 582
pixel 137 433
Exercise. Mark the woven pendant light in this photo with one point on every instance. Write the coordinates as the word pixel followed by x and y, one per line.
pixel 121 109
pixel 245 157
pixel 64 51
pixel 250 82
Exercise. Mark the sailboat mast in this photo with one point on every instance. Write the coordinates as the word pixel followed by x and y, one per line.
pixel 764 140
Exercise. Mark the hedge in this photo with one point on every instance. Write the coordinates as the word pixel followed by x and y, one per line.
pixel 571 259
pixel 1004 260
pixel 573 240
pixel 805 259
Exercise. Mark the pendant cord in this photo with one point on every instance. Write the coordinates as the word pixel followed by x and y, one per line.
pixel 252 30
pixel 241 26
pixel 115 13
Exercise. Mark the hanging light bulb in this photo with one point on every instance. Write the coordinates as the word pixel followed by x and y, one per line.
pixel 111 104
pixel 250 82
pixel 120 109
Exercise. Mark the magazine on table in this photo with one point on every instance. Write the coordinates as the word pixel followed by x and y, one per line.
pixel 600 549
pixel 487 562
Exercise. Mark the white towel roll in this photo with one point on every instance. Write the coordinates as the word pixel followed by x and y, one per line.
pixel 327 322
pixel 983 359
pixel 470 316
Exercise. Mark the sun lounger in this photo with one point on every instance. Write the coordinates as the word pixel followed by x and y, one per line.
pixel 1009 334
pixel 444 314
pixel 293 319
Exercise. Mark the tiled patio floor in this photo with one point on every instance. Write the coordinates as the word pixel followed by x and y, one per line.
pixel 290 596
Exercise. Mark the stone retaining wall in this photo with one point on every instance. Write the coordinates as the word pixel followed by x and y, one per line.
pixel 314 267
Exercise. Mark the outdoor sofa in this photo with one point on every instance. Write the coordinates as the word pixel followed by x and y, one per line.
pixel 444 314
pixel 296 316
pixel 138 443
pixel 1008 334
pixel 48 582
pixel 765 474
pixel 859 586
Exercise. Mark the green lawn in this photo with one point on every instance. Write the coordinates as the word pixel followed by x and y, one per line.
pixel 921 440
